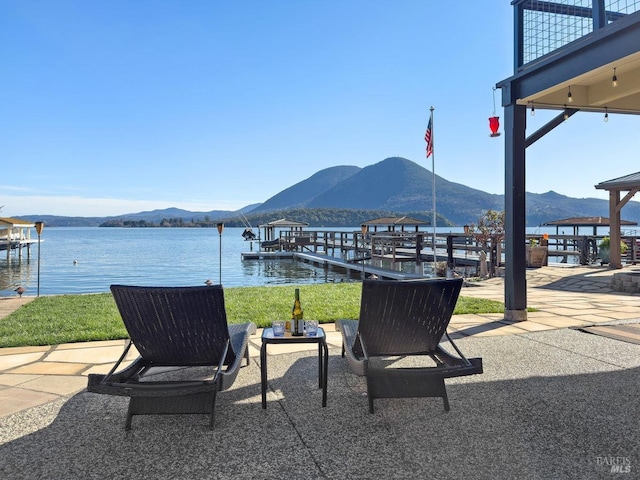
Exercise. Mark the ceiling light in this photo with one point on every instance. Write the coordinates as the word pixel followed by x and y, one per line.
pixel 614 79
pixel 569 96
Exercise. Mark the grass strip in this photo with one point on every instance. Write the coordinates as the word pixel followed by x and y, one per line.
pixel 52 320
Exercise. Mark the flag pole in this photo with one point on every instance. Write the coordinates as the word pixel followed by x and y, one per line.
pixel 428 137
pixel 433 196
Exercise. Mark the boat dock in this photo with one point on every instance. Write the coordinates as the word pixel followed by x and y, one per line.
pixel 381 254
pixel 388 254
pixel 15 235
pixel 357 270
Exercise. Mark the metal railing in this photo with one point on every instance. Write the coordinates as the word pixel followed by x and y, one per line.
pixel 544 26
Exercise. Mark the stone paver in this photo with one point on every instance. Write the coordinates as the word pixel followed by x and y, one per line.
pixel 13 400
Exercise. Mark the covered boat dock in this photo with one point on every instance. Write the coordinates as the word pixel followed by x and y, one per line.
pixel 272 242
pixel 15 234
pixel 576 222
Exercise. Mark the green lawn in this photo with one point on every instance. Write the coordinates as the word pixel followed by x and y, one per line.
pixel 59 319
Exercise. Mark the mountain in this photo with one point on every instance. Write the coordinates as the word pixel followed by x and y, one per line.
pixel 156 216
pixel 153 216
pixel 399 184
pixel 300 194
pixel 395 185
pixel 548 206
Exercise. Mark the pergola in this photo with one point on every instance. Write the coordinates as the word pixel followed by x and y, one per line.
pixel 270 228
pixel 392 222
pixel 631 185
pixel 576 222
pixel 557 66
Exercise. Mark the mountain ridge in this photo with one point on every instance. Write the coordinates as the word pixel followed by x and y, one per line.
pixel 394 184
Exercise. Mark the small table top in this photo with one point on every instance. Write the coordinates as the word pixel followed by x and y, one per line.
pixel 269 337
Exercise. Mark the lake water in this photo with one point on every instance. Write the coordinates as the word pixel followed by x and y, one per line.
pixel 90 259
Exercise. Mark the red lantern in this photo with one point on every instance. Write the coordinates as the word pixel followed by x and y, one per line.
pixel 494 125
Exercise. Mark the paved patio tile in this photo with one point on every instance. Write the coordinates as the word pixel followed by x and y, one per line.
pixel 531 326
pixel 12 380
pixel 83 345
pixel 106 354
pixel 13 400
pixel 560 322
pixel 56 384
pixel 8 362
pixel 52 368
pixel 17 350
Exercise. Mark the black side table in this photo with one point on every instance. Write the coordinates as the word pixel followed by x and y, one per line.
pixel 323 358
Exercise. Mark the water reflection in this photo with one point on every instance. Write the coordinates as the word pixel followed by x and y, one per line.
pixel 89 260
pixel 14 273
pixel 285 271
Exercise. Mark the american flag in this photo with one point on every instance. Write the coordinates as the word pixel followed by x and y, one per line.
pixel 428 137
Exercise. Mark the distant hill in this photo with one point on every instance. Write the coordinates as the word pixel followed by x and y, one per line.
pixel 399 184
pixel 394 184
pixel 300 194
pixel 341 194
pixel 332 217
pixel 156 216
pixel 549 206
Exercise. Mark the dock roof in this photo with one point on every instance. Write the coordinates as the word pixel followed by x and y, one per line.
pixel 395 221
pixel 586 222
pixel 15 222
pixel 628 182
pixel 283 222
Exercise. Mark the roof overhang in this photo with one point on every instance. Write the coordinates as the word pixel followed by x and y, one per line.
pixel 628 182
pixel 15 222
pixel 390 221
pixel 284 223
pixel 585 222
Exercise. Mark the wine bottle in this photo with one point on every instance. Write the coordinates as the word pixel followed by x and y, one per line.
pixel 297 324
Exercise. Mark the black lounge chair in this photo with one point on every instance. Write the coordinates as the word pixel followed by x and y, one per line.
pixel 401 319
pixel 175 327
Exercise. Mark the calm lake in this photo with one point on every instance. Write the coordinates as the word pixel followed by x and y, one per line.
pixel 89 259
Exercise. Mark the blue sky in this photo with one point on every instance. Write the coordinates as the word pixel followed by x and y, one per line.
pixel 113 107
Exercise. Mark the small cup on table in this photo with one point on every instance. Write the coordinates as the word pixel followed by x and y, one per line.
pixel 278 328
pixel 310 328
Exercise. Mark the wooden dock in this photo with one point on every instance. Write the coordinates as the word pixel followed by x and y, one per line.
pixel 266 255
pixel 361 270
pixel 386 254
pixel 383 254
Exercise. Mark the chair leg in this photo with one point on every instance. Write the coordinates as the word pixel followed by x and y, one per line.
pixel 445 399
pixel 246 354
pixel 370 403
pixel 213 409
pixel 127 425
